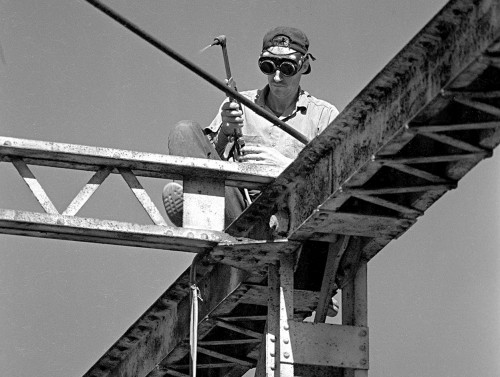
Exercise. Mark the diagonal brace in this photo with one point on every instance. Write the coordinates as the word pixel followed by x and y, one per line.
pixel 35 187
pixel 87 191
pixel 142 196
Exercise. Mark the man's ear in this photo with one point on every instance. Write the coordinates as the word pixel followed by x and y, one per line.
pixel 305 66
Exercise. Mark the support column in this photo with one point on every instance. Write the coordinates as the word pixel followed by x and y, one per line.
pixel 204 204
pixel 355 312
pixel 286 357
pixel 313 349
pixel 276 357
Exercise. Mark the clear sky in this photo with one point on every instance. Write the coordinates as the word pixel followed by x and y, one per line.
pixel 70 74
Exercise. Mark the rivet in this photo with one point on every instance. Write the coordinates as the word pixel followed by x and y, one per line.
pixel 363 333
pixel 286 327
pixel 7 143
pixel 287 355
pixel 362 348
pixel 363 362
pixel 272 354
pixel 286 340
pixel 273 339
pixel 204 236
pixel 273 367
pixel 170 233
pixel 190 235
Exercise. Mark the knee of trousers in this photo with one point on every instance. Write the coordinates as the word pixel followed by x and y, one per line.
pixel 186 127
pixel 188 139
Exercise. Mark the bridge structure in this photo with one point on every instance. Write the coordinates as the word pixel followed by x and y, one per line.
pixel 417 128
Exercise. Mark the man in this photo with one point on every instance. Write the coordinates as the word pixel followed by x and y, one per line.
pixel 284 59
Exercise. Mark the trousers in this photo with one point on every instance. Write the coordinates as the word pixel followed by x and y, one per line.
pixel 187 139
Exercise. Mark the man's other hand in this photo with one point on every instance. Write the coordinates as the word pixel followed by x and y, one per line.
pixel 263 155
pixel 232 118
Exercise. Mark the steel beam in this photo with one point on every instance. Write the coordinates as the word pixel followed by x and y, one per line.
pixel 84 157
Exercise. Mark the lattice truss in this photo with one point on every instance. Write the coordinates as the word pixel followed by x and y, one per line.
pixel 87 191
pixel 425 159
pixel 23 154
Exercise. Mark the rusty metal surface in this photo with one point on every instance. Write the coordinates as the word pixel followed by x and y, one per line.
pixel 254 255
pixel 330 345
pixel 83 157
pixel 109 232
pixel 428 118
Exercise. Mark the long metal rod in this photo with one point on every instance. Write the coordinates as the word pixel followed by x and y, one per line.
pixel 200 72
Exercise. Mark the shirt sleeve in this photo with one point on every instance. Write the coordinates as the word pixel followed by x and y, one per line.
pixel 333 114
pixel 328 115
pixel 218 139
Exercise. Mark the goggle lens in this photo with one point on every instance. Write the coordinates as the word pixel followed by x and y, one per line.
pixel 269 66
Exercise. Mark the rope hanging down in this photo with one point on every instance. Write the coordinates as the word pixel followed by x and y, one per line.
pixel 193 325
pixel 200 72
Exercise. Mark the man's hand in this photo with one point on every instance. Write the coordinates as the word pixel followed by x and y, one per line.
pixel 263 155
pixel 232 118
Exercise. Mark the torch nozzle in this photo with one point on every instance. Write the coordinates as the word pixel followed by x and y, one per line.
pixel 220 40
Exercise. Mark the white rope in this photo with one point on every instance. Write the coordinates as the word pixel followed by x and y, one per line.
pixel 193 328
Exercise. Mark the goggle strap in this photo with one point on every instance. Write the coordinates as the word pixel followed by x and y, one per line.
pixel 309 55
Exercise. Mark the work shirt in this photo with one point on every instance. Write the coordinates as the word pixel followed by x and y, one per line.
pixel 309 116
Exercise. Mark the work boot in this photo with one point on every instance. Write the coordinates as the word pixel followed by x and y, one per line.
pixel 173 201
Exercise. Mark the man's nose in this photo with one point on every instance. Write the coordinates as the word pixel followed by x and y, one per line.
pixel 277 76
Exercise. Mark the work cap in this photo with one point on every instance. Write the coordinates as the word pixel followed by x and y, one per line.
pixel 284 39
pixel 285 36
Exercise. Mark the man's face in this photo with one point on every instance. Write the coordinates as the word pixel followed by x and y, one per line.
pixel 280 85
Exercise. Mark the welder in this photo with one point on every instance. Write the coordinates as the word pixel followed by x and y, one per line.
pixel 284 58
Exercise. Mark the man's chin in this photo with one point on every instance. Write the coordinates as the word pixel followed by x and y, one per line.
pixel 278 89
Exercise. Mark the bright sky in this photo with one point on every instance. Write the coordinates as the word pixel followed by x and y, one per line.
pixel 70 74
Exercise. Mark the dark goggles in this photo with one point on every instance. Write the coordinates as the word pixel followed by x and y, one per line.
pixel 288 67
